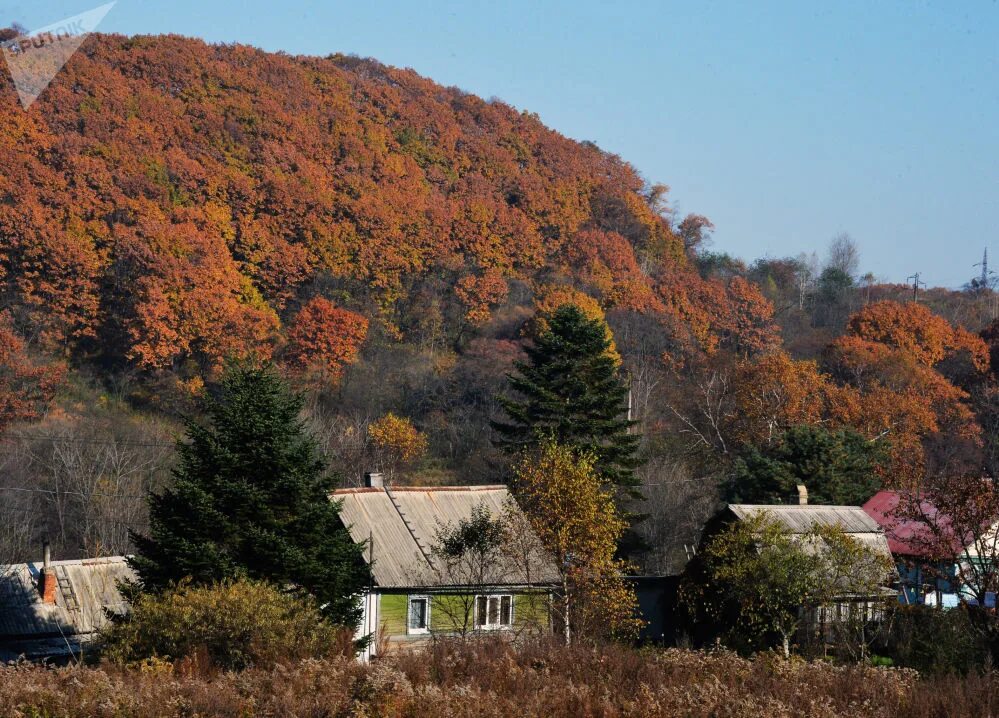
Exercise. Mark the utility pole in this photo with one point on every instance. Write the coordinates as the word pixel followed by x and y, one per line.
pixel 916 282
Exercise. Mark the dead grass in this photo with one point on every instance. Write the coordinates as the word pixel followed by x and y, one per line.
pixel 491 678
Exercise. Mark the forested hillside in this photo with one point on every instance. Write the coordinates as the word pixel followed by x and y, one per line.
pixel 168 206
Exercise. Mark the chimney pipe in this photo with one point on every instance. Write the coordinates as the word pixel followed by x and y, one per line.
pixel 802 495
pixel 374 480
pixel 47 577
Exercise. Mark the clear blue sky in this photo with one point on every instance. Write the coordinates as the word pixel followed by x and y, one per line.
pixel 784 122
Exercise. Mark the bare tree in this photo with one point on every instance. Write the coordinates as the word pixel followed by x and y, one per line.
pixel 80 482
pixel 481 554
pixel 677 505
pixel 844 254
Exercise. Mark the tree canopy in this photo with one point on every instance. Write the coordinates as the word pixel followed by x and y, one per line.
pixel 251 498
pixel 569 390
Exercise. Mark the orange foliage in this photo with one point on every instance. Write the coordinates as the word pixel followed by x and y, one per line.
pixel 915 331
pixel 168 217
pixel 773 392
pixel 709 315
pixel 25 388
pixel 888 357
pixel 326 336
pixel 480 293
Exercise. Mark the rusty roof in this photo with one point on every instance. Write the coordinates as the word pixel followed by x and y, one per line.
pixel 84 589
pixel 401 524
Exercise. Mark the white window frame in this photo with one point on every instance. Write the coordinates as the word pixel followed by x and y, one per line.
pixel 409 615
pixel 498 597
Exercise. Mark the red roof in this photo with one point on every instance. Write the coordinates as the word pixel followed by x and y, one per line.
pixel 908 536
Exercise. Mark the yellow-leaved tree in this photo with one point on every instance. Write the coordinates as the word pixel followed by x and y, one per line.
pixel 397 443
pixel 573 513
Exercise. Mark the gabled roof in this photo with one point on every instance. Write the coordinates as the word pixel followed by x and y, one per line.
pixel 909 535
pixel 84 589
pixel 799 519
pixel 401 524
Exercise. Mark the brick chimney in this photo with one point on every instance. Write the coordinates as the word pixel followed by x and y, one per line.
pixel 374 480
pixel 802 495
pixel 47 577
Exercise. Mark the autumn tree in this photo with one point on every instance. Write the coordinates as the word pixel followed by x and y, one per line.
pixel 957 517
pixel 397 443
pixel 26 387
pixel 570 391
pixel 572 511
pixel 251 497
pixel 325 336
pixel 893 356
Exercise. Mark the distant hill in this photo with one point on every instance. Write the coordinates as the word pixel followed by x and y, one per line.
pixel 168 203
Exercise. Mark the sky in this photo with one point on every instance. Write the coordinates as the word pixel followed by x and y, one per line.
pixel 786 123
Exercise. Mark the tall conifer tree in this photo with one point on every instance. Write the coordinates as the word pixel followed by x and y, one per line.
pixel 251 497
pixel 571 392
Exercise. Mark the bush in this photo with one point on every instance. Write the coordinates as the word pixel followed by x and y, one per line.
pixel 230 626
pixel 935 641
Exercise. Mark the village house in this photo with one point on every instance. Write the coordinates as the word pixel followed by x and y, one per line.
pixel 52 610
pixel 416 592
pixel 928 551
pixel 800 520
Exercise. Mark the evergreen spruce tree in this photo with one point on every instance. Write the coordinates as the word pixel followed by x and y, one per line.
pixel 251 498
pixel 838 467
pixel 571 393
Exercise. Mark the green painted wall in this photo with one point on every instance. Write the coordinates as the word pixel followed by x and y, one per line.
pixel 454 612
pixel 393 613
pixel 531 610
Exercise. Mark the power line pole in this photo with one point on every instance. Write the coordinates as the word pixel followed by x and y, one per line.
pixel 986 281
pixel 916 282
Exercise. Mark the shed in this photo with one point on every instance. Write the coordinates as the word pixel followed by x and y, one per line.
pixel 53 613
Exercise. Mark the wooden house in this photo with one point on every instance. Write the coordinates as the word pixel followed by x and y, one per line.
pixel 415 593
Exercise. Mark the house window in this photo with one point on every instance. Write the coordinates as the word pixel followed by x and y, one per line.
pixel 419 614
pixel 493 612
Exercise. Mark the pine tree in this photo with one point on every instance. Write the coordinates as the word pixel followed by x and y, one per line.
pixel 251 498
pixel 573 394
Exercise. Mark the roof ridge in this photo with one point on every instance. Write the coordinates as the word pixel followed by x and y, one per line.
pixel 417 489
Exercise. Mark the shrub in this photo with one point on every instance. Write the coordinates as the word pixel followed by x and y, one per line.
pixel 230 626
pixel 935 641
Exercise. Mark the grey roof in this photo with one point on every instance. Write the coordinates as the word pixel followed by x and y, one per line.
pixel 84 589
pixel 800 519
pixel 402 523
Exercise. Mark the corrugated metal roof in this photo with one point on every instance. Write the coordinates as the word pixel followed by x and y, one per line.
pixel 855 523
pixel 84 589
pixel 402 524
pixel 915 527
pixel 800 519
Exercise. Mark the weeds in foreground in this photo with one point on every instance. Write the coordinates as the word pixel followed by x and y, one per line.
pixel 494 678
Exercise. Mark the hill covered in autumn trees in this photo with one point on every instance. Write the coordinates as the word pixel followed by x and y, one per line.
pixel 168 205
